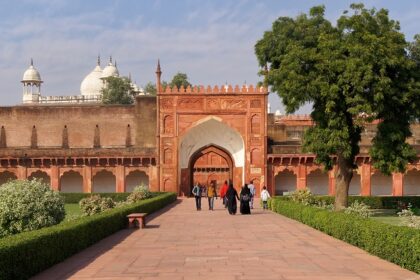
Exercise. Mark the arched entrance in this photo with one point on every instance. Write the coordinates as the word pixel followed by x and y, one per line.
pixel 211 136
pixel 210 163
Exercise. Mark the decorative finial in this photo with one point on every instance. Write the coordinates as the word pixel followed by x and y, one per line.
pixel 115 63
pixel 158 67
pixel 32 62
pixel 129 76
pixel 110 59
pixel 99 60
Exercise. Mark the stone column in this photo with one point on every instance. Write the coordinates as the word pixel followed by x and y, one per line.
pixel 22 173
pixel 397 184
pixel 301 177
pixel 365 188
pixel 87 179
pixel 55 178
pixel 331 181
pixel 120 174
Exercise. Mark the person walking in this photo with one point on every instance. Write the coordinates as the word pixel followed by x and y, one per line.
pixel 245 198
pixel 265 195
pixel 211 194
pixel 223 191
pixel 197 191
pixel 253 192
pixel 231 197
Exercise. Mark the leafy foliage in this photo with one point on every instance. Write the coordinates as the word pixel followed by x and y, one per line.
pixel 139 193
pixel 303 196
pixel 408 217
pixel 358 208
pixel 76 197
pixel 150 88
pixel 400 245
pixel 353 73
pixel 95 204
pixel 23 255
pixel 180 79
pixel 28 205
pixel 118 90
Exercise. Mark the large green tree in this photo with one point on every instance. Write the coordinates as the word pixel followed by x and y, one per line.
pixel 118 90
pixel 354 72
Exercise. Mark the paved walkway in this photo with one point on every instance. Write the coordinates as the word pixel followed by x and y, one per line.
pixel 181 243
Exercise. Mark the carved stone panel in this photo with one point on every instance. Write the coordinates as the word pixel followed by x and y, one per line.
pixel 233 104
pixel 190 103
pixel 255 103
pixel 166 103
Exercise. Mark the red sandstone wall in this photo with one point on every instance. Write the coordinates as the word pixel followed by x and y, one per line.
pixel 81 121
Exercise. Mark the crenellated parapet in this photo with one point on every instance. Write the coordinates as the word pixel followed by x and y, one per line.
pixel 223 89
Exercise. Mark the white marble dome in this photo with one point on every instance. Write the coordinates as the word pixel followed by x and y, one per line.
pixel 110 70
pixel 92 83
pixel 31 74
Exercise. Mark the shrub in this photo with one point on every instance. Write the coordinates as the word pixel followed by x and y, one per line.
pixel 408 217
pixel 303 196
pixel 358 208
pixel 95 204
pixel 76 197
pixel 25 254
pixel 28 205
pixel 138 194
pixel 400 245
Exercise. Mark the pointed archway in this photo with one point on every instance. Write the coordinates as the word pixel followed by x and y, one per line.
pixel 207 135
pixel 210 163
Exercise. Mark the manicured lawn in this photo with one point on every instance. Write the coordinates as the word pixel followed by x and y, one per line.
pixel 391 220
pixel 72 211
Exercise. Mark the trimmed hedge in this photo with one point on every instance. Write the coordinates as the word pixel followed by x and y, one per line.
pixel 400 245
pixel 76 197
pixel 26 254
pixel 375 202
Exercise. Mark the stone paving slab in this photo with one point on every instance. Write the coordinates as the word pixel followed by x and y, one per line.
pixel 182 243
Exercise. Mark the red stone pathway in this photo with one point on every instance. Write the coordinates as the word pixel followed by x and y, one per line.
pixel 181 243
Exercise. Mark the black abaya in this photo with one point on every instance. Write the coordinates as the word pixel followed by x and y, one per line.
pixel 231 196
pixel 245 192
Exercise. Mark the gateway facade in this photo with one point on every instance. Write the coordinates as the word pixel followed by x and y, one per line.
pixel 169 141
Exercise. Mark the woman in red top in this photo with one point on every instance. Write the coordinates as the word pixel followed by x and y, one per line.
pixel 223 191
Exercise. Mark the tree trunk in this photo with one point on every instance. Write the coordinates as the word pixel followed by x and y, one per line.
pixel 343 177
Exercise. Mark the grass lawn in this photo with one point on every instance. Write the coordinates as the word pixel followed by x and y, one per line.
pixel 72 211
pixel 387 216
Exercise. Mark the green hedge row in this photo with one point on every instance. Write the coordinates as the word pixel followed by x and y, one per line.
pixel 29 253
pixel 400 245
pixel 76 197
pixel 375 202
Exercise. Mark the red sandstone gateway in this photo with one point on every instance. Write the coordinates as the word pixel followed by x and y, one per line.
pixel 167 142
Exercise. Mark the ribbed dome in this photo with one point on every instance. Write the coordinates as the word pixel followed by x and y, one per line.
pixel 110 70
pixel 31 74
pixel 92 83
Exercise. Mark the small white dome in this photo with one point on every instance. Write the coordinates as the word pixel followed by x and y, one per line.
pixel 277 113
pixel 92 83
pixel 110 70
pixel 31 74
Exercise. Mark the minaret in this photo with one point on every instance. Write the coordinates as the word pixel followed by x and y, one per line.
pixel 158 74
pixel 31 85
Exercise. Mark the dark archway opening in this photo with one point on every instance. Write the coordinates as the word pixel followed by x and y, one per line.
pixel 210 163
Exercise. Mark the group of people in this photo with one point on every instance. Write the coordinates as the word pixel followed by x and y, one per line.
pixel 230 197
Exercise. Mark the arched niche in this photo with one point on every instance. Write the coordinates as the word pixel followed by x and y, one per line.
pixel 40 175
pixel 355 184
pixel 380 184
pixel 6 176
pixel 255 124
pixel 104 182
pixel 168 123
pixel 256 156
pixel 71 182
pixel 136 178
pixel 412 182
pixel 317 182
pixel 285 181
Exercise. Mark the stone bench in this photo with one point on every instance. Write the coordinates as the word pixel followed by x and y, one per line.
pixel 137 220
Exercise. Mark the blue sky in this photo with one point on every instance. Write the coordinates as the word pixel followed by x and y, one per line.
pixel 212 41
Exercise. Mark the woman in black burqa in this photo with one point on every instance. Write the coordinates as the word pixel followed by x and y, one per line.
pixel 245 197
pixel 231 196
